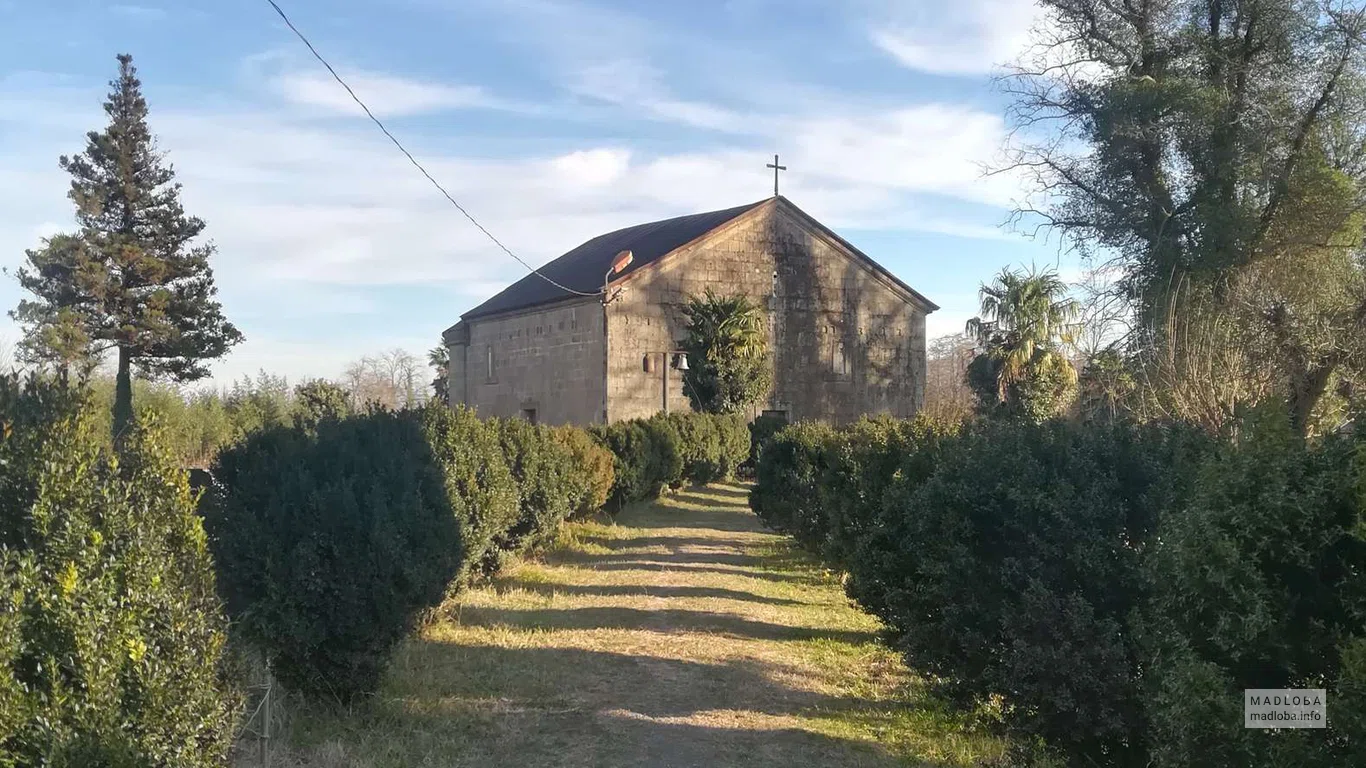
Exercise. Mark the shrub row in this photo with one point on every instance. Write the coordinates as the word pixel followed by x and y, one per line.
pixel 666 451
pixel 112 638
pixel 333 538
pixel 1117 586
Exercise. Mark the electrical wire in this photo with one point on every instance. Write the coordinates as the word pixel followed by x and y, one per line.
pixel 284 17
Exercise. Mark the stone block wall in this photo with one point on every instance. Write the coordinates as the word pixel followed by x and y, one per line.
pixel 846 341
pixel 549 360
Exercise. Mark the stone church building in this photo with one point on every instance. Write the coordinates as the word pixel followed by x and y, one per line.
pixel 846 336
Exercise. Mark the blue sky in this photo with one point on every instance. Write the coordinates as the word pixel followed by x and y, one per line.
pixel 551 120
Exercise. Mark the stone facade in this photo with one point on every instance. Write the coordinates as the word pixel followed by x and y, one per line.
pixel 546 363
pixel 846 339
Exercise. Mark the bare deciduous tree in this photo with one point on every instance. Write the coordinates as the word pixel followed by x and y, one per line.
pixel 394 379
pixel 947 394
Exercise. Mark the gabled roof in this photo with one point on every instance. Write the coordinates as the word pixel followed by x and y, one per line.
pixel 583 268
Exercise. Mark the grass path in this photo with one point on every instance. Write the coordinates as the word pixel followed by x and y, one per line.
pixel 683 635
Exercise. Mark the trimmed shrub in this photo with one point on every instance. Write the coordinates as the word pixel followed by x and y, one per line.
pixel 331 542
pixel 112 638
pixel 786 496
pixel 590 482
pixel 1260 583
pixel 861 462
pixel 645 455
pixel 542 468
pixel 711 446
pixel 761 431
pixel 1015 568
pixel 480 488
pixel 665 458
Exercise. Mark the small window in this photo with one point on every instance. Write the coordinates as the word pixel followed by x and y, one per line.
pixel 489 355
pixel 529 414
pixel 776 415
pixel 649 364
pixel 839 361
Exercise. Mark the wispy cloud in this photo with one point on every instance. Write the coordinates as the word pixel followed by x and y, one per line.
pixel 966 37
pixel 635 84
pixel 386 95
pixel 326 234
pixel 146 12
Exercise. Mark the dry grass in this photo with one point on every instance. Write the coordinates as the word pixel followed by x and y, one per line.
pixel 682 635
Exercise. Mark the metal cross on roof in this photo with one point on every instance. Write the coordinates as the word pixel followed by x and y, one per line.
pixel 774 165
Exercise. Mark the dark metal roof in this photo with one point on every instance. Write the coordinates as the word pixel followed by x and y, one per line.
pixel 583 268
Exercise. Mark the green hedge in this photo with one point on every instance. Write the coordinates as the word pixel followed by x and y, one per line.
pixel 112 637
pixel 543 470
pixel 666 451
pixel 645 458
pixel 711 446
pixel 788 480
pixel 480 488
pixel 332 541
pixel 1260 582
pixel 592 479
pixel 336 534
pixel 1116 586
pixel 761 432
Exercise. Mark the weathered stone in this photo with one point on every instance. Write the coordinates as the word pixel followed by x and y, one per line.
pixel 846 339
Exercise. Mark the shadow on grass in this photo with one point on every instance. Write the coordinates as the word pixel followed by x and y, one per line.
pixel 672 542
pixel 667 620
pixel 641 563
pixel 645 590
pixel 592 560
pixel 530 707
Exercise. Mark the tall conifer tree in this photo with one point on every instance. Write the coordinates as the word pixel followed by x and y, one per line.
pixel 131 279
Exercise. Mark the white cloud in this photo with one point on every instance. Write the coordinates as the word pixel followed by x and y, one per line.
pixel 593 167
pixel 965 37
pixel 635 84
pixel 316 221
pixel 933 148
pixel 386 95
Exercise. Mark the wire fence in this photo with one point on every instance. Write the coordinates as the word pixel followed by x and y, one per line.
pixel 254 741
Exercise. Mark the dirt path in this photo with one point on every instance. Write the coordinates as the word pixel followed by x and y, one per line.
pixel 683 635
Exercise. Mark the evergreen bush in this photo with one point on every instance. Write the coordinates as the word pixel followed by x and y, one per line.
pixel 786 496
pixel 331 542
pixel 112 637
pixel 543 469
pixel 861 462
pixel 1260 582
pixel 592 478
pixel 1014 569
pixel 480 487
pixel 711 446
pixel 761 431
pixel 646 457
pixel 665 455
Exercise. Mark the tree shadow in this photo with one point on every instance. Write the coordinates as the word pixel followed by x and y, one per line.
pixel 492 705
pixel 649 565
pixel 681 558
pixel 673 542
pixel 644 590
pixel 732 521
pixel 666 620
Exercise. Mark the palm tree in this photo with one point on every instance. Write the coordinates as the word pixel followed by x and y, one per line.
pixel 727 348
pixel 439 358
pixel 1025 319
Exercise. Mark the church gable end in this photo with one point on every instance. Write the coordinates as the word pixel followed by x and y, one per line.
pixel 848 337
